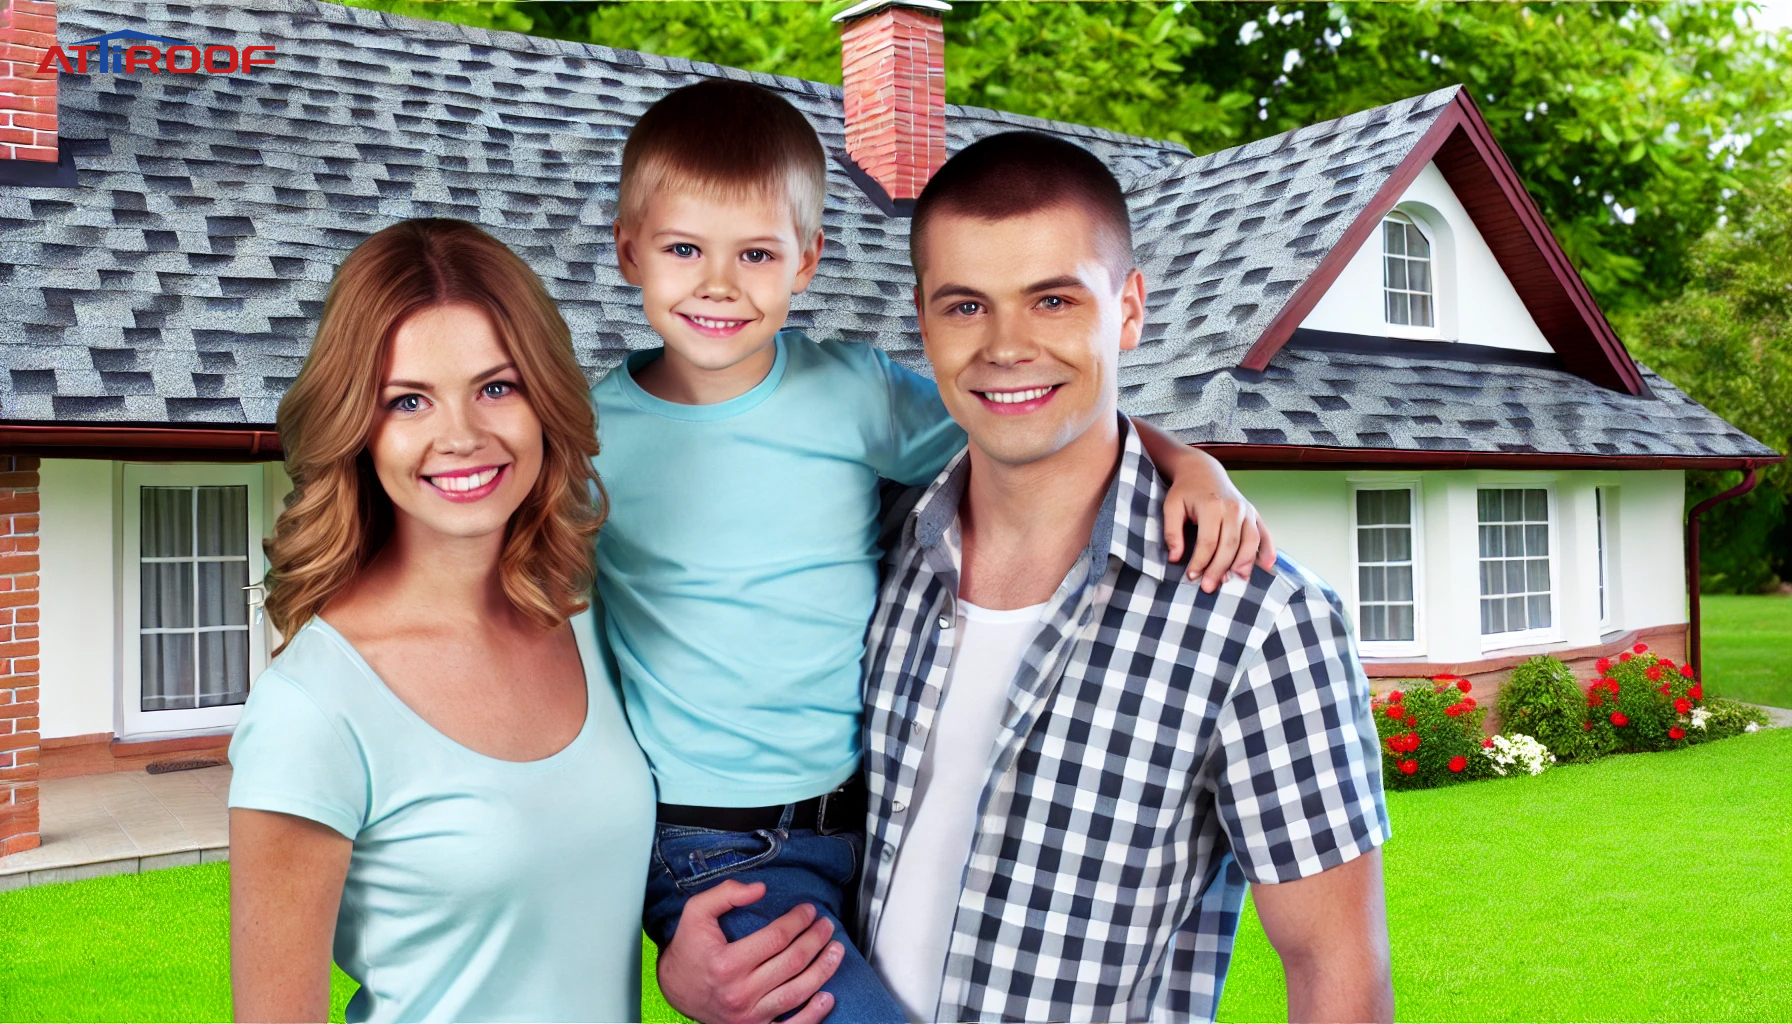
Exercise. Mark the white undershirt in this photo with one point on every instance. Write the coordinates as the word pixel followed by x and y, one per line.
pixel 916 926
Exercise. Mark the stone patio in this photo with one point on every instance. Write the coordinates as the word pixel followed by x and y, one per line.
pixel 124 822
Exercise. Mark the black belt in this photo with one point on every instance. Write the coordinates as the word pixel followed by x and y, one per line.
pixel 842 810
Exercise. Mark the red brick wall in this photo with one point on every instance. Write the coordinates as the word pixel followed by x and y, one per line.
pixel 894 66
pixel 18 654
pixel 27 98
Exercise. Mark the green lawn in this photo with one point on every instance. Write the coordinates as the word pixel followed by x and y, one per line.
pixel 1748 647
pixel 1645 887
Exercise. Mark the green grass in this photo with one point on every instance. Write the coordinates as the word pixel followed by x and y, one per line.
pixel 1644 887
pixel 1748 647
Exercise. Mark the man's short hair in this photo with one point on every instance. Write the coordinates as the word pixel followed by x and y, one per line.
pixel 725 140
pixel 1017 173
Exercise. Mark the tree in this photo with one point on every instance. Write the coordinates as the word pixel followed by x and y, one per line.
pixel 1727 340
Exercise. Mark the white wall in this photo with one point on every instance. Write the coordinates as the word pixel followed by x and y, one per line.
pixel 1309 513
pixel 76 552
pixel 1476 303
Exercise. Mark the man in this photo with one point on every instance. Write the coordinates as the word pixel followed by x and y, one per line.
pixel 1076 760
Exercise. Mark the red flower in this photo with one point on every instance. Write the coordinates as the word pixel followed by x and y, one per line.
pixel 1697 692
pixel 1458 763
pixel 1412 719
pixel 1686 670
pixel 1463 685
pixel 1488 742
pixel 1653 673
pixel 1676 733
pixel 1640 648
pixel 1594 700
pixel 1612 685
pixel 1587 726
pixel 1602 666
pixel 1454 710
pixel 1412 742
pixel 1620 719
pixel 1669 663
pixel 1624 657
pixel 1396 711
pixel 1396 697
pixel 1681 707
pixel 1409 767
pixel 1470 701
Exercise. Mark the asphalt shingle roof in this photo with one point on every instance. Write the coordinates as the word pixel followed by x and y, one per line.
pixel 181 282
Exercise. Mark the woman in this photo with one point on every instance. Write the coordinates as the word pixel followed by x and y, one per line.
pixel 434 780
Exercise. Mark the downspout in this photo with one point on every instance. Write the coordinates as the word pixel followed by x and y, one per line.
pixel 1694 651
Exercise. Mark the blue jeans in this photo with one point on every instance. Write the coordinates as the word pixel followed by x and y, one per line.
pixel 797 866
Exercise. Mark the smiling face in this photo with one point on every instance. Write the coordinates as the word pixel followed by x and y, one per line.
pixel 716 275
pixel 1024 324
pixel 455 443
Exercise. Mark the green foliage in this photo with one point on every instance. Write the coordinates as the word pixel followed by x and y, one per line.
pixel 1542 700
pixel 1644 702
pixel 1430 732
pixel 1728 718
pixel 1727 340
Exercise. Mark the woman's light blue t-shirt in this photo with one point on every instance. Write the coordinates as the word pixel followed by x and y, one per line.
pixel 478 889
pixel 738 566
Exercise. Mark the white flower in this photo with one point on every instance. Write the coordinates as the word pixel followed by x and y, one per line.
pixel 1752 727
pixel 1520 750
pixel 1699 715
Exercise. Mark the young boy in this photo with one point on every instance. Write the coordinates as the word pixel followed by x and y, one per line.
pixel 738 566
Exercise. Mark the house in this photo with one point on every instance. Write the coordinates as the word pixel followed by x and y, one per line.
pixel 1366 318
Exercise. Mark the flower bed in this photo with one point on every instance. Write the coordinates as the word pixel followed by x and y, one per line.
pixel 1431 735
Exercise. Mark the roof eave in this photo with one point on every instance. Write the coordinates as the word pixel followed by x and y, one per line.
pixel 149 442
pixel 1237 456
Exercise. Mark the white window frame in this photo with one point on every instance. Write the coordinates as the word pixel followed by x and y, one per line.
pixel 1527 637
pixel 1391 648
pixel 1605 499
pixel 134 721
pixel 1429 331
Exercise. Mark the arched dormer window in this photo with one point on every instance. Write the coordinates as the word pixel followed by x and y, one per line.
pixel 1406 279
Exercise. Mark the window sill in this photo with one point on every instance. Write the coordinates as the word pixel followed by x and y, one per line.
pixel 1528 638
pixel 1390 649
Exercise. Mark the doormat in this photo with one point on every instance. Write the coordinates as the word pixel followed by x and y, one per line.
pixel 162 767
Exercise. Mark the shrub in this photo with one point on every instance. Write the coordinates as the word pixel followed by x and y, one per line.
pixel 1431 734
pixel 1517 753
pixel 1642 702
pixel 1543 700
pixel 1724 718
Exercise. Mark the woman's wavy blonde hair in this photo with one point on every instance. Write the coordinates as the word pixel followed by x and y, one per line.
pixel 338 516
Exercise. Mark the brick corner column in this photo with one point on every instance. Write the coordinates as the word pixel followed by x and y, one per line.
pixel 18 653
pixel 893 70
pixel 27 95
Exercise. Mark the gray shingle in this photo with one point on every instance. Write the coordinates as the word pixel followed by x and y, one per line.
pixel 182 281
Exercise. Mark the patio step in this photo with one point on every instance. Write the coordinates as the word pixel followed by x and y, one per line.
pixel 122 823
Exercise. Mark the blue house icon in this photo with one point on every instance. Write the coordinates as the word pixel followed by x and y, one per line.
pixel 107 57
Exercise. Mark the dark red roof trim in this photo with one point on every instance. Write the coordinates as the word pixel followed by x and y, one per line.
pixel 101 441
pixel 1464 149
pixel 1294 456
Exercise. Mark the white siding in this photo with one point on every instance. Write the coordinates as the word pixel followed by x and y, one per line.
pixel 76 602
pixel 1476 302
pixel 1309 514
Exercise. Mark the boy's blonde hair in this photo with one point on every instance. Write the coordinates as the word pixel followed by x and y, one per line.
pixel 726 140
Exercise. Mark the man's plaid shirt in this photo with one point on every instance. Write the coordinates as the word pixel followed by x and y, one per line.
pixel 1161 746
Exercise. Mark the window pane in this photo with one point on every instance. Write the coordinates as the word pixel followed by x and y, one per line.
pixel 1421 310
pixel 1539 608
pixel 1514 540
pixel 167 671
pixel 1396 273
pixel 1370 547
pixel 1490 506
pixel 1369 508
pixel 1490 542
pixel 1536 540
pixel 1400 619
pixel 1399 583
pixel 1393 236
pixel 1419 274
pixel 167 521
pixel 1536 506
pixel 223 520
pixel 1537 576
pixel 1375 622
pixel 1491 579
pixel 221 598
pixel 1514 578
pixel 1399 544
pixel 1397 506
pixel 1416 244
pixel 1372 580
pixel 223 668
pixel 167 594
pixel 1493 616
pixel 1515 619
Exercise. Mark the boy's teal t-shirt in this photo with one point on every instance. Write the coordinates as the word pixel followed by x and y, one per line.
pixel 738 566
pixel 477 888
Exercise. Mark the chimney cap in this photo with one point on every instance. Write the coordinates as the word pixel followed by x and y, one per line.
pixel 859 10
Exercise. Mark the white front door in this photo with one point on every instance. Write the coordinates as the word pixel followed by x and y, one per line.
pixel 191 556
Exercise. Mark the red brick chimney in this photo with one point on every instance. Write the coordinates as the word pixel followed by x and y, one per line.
pixel 27 96
pixel 893 60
